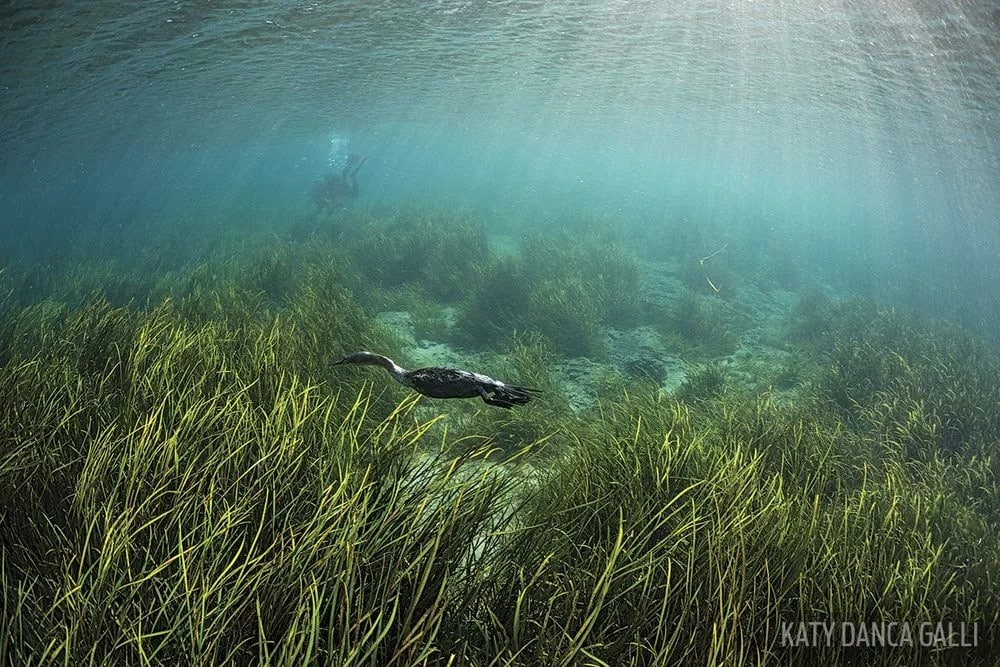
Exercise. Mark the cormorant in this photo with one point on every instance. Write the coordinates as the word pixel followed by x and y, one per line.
pixel 438 382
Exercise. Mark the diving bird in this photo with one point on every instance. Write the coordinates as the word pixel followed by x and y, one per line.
pixel 438 382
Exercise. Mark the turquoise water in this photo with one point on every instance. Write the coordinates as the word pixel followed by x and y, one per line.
pixel 714 238
pixel 861 139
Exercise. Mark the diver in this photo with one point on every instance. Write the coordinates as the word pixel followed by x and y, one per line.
pixel 350 172
pixel 335 190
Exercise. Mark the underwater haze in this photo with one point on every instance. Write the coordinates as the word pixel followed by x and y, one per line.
pixel 743 254
pixel 871 127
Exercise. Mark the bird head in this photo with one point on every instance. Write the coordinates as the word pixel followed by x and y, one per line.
pixel 360 358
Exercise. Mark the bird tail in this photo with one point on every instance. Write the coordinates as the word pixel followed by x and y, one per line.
pixel 508 396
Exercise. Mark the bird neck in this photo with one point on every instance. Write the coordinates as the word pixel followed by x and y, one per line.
pixel 395 370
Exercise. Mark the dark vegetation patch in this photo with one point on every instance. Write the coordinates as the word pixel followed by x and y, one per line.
pixel 564 287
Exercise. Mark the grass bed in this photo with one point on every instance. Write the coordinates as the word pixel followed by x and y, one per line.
pixel 186 480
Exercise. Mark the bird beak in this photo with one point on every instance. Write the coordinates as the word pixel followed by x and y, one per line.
pixel 341 362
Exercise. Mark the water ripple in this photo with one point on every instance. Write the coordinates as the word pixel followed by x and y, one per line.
pixel 73 68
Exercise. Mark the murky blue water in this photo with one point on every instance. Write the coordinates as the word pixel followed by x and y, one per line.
pixel 859 135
